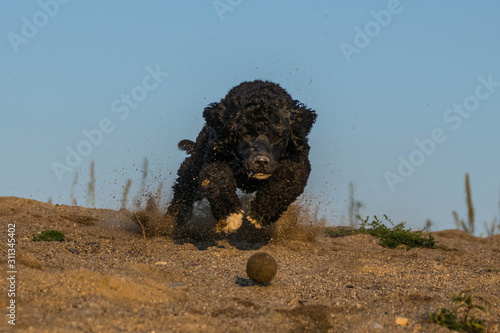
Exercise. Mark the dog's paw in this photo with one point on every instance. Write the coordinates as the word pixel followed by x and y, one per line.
pixel 231 223
pixel 256 223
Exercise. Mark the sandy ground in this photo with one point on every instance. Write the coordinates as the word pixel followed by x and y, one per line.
pixel 105 277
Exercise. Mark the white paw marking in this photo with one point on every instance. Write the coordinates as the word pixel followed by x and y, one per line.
pixel 231 223
pixel 255 223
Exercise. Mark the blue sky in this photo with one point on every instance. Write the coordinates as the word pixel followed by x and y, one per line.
pixel 380 74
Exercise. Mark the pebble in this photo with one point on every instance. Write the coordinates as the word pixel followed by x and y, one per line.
pixel 376 326
pixel 160 263
pixel 401 321
pixel 73 250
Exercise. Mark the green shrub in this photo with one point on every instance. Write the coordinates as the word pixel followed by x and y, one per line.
pixel 397 235
pixel 465 322
pixel 389 237
pixel 49 236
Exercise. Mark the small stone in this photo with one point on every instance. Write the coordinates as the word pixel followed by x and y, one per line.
pixel 73 250
pixel 401 321
pixel 376 326
pixel 160 263
pixel 358 306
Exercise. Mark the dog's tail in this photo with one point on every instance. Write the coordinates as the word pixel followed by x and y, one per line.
pixel 187 146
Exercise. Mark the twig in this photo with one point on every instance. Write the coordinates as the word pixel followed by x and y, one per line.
pixel 76 233
pixel 143 231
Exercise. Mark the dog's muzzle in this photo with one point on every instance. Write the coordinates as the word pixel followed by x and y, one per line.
pixel 259 175
pixel 260 167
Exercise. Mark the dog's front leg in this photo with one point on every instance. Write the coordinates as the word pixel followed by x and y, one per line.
pixel 218 185
pixel 282 188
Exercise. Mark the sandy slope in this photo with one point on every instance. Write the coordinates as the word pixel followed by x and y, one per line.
pixel 106 278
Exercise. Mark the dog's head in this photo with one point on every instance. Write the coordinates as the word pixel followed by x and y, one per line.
pixel 259 123
pixel 260 140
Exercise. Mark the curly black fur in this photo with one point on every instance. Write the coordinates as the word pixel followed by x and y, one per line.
pixel 254 139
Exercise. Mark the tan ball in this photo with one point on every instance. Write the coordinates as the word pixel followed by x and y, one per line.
pixel 261 268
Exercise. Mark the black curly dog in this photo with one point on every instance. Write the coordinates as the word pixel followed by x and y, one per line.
pixel 254 139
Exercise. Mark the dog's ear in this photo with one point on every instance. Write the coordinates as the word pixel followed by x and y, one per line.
pixel 214 115
pixel 301 122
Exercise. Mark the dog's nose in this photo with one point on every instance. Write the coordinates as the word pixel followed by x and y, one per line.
pixel 261 160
